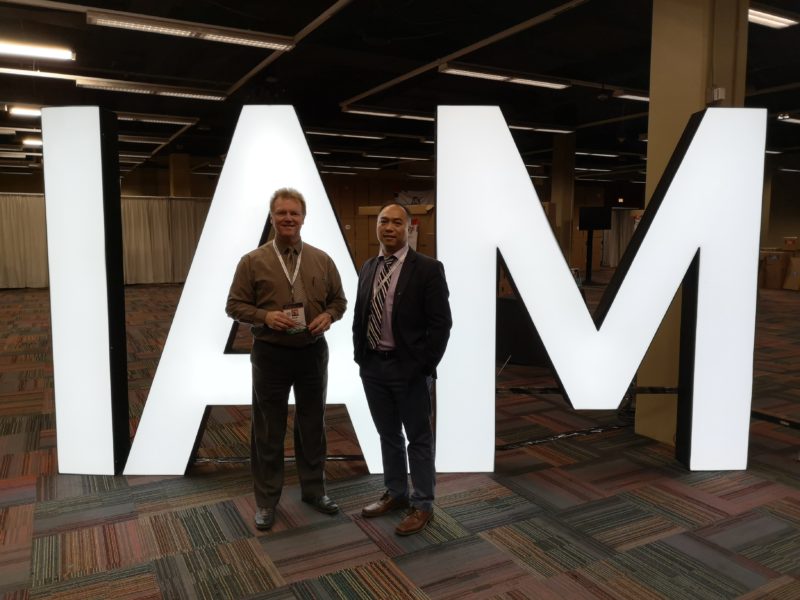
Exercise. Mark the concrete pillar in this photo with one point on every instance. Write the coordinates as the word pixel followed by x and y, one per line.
pixel 562 190
pixel 698 58
pixel 180 175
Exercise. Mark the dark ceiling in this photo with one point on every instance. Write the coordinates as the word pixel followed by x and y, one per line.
pixel 602 45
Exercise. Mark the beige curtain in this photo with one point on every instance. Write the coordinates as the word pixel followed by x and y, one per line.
pixel 23 242
pixel 187 216
pixel 615 240
pixel 147 256
pixel 159 237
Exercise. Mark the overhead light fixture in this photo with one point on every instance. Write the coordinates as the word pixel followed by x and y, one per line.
pixel 540 177
pixel 211 173
pixel 158 119
pixel 132 87
pixel 591 170
pixel 420 176
pixel 600 154
pixel 4 154
pixel 141 155
pixel 552 130
pixel 358 136
pixel 10 48
pixel 187 29
pixel 376 112
pixel 787 170
pixel 390 157
pixel 142 139
pixel 338 173
pixel 761 17
pixel 15 173
pixel 32 141
pixel 492 75
pixel 626 95
pixel 593 179
pixel 773 152
pixel 641 182
pixel 25 111
pixel 540 129
pixel 787 118
pixel 533 166
pixel 321 152
pixel 428 141
pixel 351 167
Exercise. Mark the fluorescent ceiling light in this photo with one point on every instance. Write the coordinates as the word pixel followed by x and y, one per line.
pixel 773 152
pixel 389 157
pixel 471 73
pixel 634 181
pixel 25 111
pixel 592 179
pixel 420 176
pixel 320 152
pixel 428 141
pixel 540 177
pixel 225 35
pixel 359 136
pixel 159 119
pixel 338 173
pixel 370 113
pixel 760 17
pixel 785 118
pixel 478 73
pixel 538 83
pixel 416 117
pixel 130 161
pixel 13 154
pixel 141 155
pixel 32 141
pixel 375 112
pixel 600 154
pixel 591 170
pixel 520 127
pixel 212 173
pixel 630 96
pixel 142 139
pixel 786 170
pixel 133 87
pixel 10 48
pixel 552 130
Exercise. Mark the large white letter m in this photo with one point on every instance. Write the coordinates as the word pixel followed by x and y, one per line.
pixel 701 227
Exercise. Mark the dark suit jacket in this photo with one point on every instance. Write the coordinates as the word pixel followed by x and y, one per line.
pixel 421 318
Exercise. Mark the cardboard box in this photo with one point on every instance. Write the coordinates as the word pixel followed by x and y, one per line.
pixel 792 281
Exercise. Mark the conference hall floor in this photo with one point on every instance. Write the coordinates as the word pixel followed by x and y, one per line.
pixel 604 515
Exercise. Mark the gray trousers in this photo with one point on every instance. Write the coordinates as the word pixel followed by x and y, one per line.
pixel 276 369
pixel 397 402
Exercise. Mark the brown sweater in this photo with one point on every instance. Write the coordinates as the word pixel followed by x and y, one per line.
pixel 260 285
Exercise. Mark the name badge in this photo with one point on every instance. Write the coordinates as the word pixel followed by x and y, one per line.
pixel 297 313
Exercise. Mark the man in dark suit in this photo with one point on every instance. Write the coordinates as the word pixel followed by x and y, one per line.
pixel 400 330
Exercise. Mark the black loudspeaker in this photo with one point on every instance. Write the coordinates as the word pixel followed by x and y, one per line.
pixel 594 217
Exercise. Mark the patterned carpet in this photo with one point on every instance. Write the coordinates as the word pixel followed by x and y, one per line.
pixel 607 515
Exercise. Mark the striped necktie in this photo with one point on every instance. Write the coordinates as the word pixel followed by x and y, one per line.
pixel 378 301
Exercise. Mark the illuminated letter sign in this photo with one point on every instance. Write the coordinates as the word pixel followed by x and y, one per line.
pixel 704 217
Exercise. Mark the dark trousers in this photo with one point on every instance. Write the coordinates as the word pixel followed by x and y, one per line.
pixel 397 401
pixel 276 369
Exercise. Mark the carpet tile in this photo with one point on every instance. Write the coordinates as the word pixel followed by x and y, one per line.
pixel 466 567
pixel 609 515
pixel 546 546
pixel 319 549
pixel 380 579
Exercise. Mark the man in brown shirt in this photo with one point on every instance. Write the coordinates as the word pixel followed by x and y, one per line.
pixel 290 292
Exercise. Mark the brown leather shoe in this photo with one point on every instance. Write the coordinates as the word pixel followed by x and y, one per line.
pixel 384 506
pixel 415 521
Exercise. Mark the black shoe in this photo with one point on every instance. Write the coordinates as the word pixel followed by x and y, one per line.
pixel 265 518
pixel 323 504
